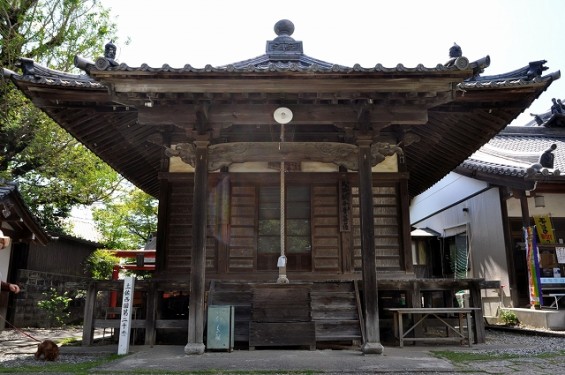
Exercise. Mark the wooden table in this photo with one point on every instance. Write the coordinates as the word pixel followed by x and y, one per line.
pixel 422 313
pixel 557 297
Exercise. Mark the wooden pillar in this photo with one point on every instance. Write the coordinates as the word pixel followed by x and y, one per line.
pixel 89 309
pixel 224 188
pixel 162 223
pixel 510 254
pixel 406 252
pixel 478 318
pixel 525 209
pixel 196 311
pixel 344 193
pixel 150 318
pixel 372 343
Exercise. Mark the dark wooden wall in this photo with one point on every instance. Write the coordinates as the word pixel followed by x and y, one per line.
pixel 233 206
pixel 62 255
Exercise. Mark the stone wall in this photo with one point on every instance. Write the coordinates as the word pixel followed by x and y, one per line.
pixel 33 284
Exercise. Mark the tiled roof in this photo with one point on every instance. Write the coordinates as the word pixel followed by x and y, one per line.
pixel 459 118
pixel 284 54
pixel 553 118
pixel 515 150
pixel 19 219
pixel 7 188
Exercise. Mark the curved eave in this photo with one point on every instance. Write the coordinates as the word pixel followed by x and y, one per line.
pixel 107 128
pixel 456 126
pixel 509 83
pixel 511 181
pixel 458 129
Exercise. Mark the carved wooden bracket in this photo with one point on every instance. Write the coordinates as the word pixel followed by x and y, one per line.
pixel 342 154
pixel 186 152
pixel 380 150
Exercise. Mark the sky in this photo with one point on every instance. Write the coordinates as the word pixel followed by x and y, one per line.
pixel 364 32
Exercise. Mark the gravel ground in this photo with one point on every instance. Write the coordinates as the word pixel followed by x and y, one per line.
pixel 17 351
pixel 528 343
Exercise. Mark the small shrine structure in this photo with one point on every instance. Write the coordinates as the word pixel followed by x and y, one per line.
pixel 284 181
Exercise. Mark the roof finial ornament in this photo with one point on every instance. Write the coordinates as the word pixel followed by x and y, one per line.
pixel 535 69
pixel 284 28
pixel 284 47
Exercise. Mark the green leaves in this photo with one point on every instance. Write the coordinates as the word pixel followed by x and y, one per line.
pixel 55 305
pixel 127 222
pixel 54 171
pixel 100 264
pixel 52 31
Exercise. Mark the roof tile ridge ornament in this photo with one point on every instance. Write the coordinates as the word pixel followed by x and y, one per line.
pixel 545 165
pixel 456 58
pixel 530 72
pixel 358 68
pixel 401 68
pixel 422 68
pixel 108 60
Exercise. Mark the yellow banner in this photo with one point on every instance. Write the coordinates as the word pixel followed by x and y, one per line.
pixel 544 229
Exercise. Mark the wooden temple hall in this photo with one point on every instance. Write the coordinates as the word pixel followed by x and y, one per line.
pixel 283 181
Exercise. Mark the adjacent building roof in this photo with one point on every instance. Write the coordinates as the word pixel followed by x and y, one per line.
pixel 512 157
pixel 16 221
pixel 128 115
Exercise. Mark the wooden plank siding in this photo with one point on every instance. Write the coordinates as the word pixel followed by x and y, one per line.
pixel 179 228
pixel 388 228
pixel 242 250
pixel 233 219
pixel 325 228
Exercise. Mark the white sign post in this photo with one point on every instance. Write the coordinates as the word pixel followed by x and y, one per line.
pixel 125 319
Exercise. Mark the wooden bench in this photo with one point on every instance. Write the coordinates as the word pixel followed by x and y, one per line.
pixel 420 315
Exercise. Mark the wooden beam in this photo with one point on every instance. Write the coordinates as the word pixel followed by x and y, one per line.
pixel 315 114
pixel 70 94
pixel 284 84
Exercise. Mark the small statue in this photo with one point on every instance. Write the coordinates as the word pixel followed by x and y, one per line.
pixel 556 108
pixel 102 63
pixel 547 158
pixel 110 50
pixel 561 105
pixel 455 51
